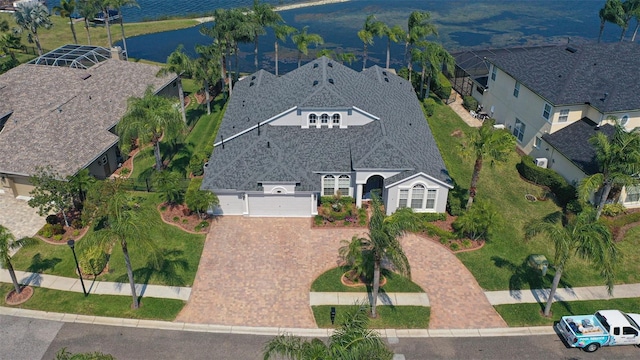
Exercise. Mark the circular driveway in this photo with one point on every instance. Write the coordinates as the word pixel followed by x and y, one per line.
pixel 258 272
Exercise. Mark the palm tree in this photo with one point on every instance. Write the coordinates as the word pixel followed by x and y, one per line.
pixel 611 12
pixel 88 10
pixel 382 242
pixel 105 6
pixel 584 236
pixel 167 184
pixel 355 258
pixel 65 10
pixel 302 39
pixel 8 243
pixel 618 159
pixel 263 15
pixel 126 222
pixel 486 142
pixel 118 5
pixel 9 41
pixel 418 28
pixel 31 16
pixel 629 10
pixel 244 31
pixel 149 118
pixel 352 340
pixel 178 63
pixel 207 67
pixel 371 28
pixel 282 32
pixel 80 183
pixel 346 57
pixel 432 58
pixel 393 33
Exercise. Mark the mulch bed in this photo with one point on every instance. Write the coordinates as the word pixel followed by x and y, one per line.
pixel 68 230
pixel 14 298
pixel 361 282
pixel 179 215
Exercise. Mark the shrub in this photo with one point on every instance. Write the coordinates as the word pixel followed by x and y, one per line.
pixel 125 171
pixel 429 106
pixel 318 220
pixel 433 230
pixel 176 219
pixel 574 206
pixel 202 225
pixel 469 102
pixel 478 222
pixel 613 209
pixel 52 219
pixel 564 192
pixel 163 208
pixel 362 217
pixel 430 217
pixel 184 221
pixel 338 215
pixel 454 246
pixel 57 237
pixel 466 243
pixel 76 224
pixel 442 86
pixel 58 229
pixel 46 231
pixel 454 203
pixel 92 260
pixel 196 164
pixel 76 233
pixel 199 200
pixel 444 241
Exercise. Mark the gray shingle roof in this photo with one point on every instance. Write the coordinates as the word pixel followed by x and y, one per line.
pixel 579 73
pixel 61 117
pixel 400 139
pixel 573 142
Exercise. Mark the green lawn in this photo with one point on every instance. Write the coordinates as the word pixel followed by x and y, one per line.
pixel 499 265
pixel 389 317
pixel 530 314
pixel 330 282
pixel 178 247
pixel 97 305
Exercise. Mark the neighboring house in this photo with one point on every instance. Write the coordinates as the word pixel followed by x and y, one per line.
pixel 319 130
pixel 60 110
pixel 553 98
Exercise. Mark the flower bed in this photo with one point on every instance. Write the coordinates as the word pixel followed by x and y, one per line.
pixel 180 216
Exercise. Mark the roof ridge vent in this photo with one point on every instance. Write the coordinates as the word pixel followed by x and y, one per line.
pixel 331 81
pixel 330 64
pixel 315 82
pixel 315 65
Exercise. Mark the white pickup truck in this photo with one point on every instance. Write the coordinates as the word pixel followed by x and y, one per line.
pixel 604 328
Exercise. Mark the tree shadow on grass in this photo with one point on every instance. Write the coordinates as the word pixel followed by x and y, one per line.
pixel 181 159
pixel 525 274
pixel 38 264
pixel 194 113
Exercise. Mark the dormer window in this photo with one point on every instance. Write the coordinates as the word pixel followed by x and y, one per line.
pixel 324 119
pixel 313 119
pixel 335 119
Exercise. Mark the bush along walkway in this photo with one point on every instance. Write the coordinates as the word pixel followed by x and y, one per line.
pixel 96 287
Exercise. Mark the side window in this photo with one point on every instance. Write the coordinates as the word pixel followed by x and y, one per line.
pixel 494 72
pixel 629 331
pixel 546 112
pixel 616 331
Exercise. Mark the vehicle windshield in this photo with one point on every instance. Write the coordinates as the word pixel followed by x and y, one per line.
pixel 631 321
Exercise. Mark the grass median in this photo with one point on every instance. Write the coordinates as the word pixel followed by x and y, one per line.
pixel 389 317
pixel 329 281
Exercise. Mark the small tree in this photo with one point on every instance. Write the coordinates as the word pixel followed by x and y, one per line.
pixel 50 192
pixel 356 258
pixel 9 243
pixel 199 200
pixel 478 221
pixel 167 184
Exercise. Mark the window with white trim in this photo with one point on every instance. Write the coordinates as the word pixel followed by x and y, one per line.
pixel 431 199
pixel 313 119
pixel 546 112
pixel 564 115
pixel 633 194
pixel 344 183
pixel 518 130
pixel 494 72
pixel 516 89
pixel 537 143
pixel 418 197
pixel 324 119
pixel 328 185
pixel 403 198
pixel 335 119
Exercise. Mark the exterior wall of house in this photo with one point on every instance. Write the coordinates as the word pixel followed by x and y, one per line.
pixel 279 188
pixel 392 194
pixel 630 197
pixel 629 119
pixel 576 112
pixel 348 117
pixel 559 163
pixel 170 90
pixel 105 164
pixel 18 186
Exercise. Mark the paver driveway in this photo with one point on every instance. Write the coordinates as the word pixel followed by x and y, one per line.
pixel 19 217
pixel 258 272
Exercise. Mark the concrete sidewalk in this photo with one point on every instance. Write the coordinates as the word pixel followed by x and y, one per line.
pixel 350 298
pixel 96 287
pixel 562 294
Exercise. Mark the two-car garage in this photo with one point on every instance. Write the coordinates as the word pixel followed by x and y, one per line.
pixel 267 205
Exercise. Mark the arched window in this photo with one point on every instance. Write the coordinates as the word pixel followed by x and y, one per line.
pixel 335 119
pixel 324 119
pixel 313 119
pixel 344 182
pixel 417 196
pixel 624 120
pixel 328 185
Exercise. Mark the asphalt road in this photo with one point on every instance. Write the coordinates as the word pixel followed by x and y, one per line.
pixel 29 339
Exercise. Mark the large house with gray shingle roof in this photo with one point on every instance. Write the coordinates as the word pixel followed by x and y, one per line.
pixel 554 98
pixel 62 113
pixel 322 129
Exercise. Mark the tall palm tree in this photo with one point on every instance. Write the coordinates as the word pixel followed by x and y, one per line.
pixel 418 28
pixel 584 236
pixel 303 39
pixel 371 28
pixel 611 12
pixel 126 222
pixel 80 183
pixel 105 6
pixel 65 10
pixel 31 16
pixel 346 57
pixel 636 16
pixel 432 59
pixel 486 143
pixel 118 5
pixel 207 67
pixel 618 159
pixel 88 10
pixel 263 15
pixel 8 243
pixel 352 340
pixel 629 10
pixel 393 33
pixel 382 242
pixel 178 63
pixel 149 118
pixel 282 32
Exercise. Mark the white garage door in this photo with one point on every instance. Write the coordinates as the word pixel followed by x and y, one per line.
pixel 280 205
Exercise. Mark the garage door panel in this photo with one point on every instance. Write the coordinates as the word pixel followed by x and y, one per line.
pixel 280 205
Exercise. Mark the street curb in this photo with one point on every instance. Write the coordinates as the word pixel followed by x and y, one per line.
pixel 269 331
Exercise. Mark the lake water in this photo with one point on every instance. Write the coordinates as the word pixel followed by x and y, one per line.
pixel 461 25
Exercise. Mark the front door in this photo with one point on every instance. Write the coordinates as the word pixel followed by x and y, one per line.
pixel 374 183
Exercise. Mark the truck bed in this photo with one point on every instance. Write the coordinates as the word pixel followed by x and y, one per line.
pixel 584 325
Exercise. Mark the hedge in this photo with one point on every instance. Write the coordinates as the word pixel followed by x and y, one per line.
pixel 441 86
pixel 470 103
pixel 564 192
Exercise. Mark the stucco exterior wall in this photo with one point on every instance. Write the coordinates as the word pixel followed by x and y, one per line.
pixel 391 195
pixel 348 117
pixel 101 169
